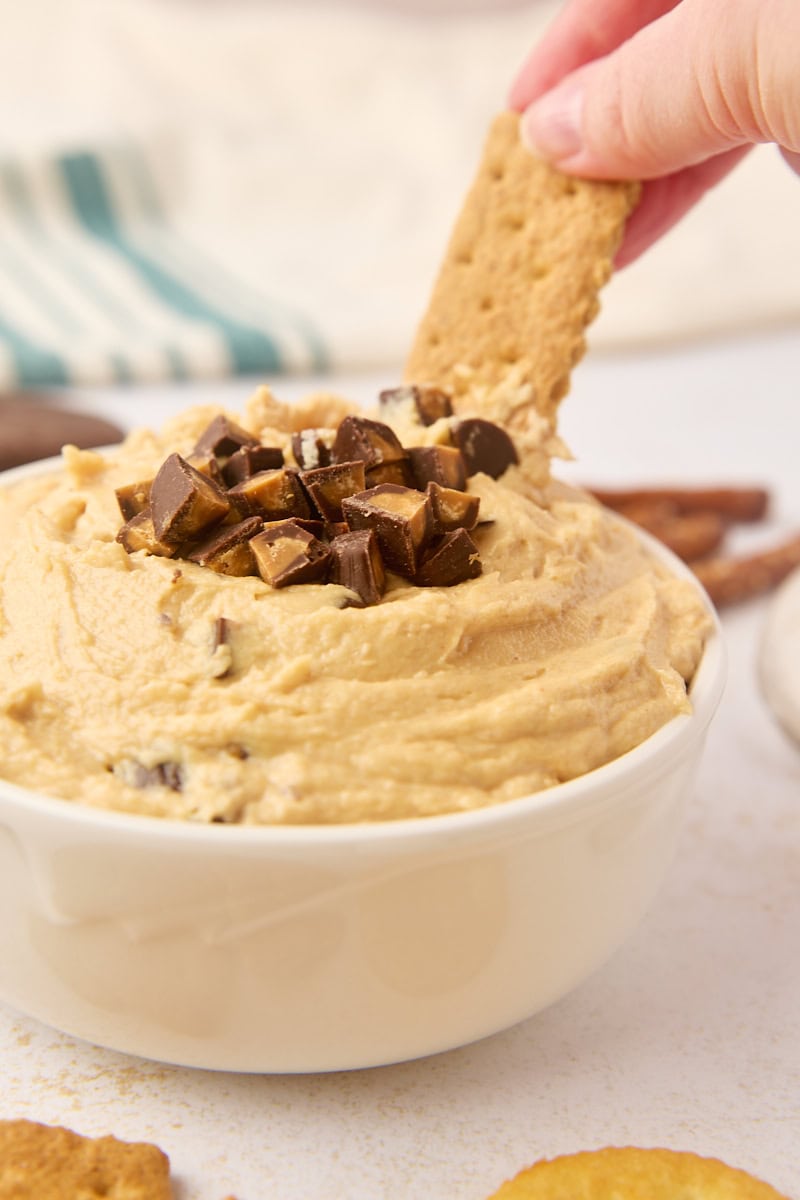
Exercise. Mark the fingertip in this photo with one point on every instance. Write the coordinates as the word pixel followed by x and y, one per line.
pixel 552 126
pixel 527 85
pixel 514 98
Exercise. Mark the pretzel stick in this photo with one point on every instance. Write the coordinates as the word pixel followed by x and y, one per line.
pixel 733 503
pixel 647 513
pixel 691 537
pixel 731 580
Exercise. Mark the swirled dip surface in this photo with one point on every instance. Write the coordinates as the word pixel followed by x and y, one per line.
pixel 572 647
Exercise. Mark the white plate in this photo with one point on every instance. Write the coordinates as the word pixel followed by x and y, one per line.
pixel 779 656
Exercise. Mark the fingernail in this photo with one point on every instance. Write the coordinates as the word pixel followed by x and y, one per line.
pixel 552 126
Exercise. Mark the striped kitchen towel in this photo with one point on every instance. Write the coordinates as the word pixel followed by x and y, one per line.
pixel 98 286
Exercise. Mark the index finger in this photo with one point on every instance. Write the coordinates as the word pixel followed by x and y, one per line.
pixel 583 31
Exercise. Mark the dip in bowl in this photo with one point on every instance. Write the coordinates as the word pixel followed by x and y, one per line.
pixel 211 855
pixel 318 948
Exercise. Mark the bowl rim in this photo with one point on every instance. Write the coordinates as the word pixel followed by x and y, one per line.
pixel 564 800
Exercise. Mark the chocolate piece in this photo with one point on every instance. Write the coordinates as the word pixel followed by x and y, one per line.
pixel 221 652
pixel 228 550
pixel 207 465
pixel 223 437
pixel 442 464
pixel 171 775
pixel 184 502
pixel 485 446
pixel 274 495
pixel 356 564
pixel 139 534
pixel 285 553
pixel 398 473
pixel 452 509
pixel 312 448
pixel 266 522
pixel 221 631
pixel 320 529
pixel 370 441
pixel 166 774
pixel 247 461
pixel 401 519
pixel 133 498
pixel 328 486
pixel 450 559
pixel 421 402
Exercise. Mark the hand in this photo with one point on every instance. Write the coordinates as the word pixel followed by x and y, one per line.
pixel 673 92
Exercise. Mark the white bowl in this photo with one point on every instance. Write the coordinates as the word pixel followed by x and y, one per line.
pixel 320 948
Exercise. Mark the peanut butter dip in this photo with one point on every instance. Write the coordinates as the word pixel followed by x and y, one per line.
pixel 156 685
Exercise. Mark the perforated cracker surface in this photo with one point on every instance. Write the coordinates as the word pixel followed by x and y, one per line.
pixel 519 283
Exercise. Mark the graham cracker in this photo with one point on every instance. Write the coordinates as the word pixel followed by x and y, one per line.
pixel 520 278
pixel 44 1162
pixel 628 1173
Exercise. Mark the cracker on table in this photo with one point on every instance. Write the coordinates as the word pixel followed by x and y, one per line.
pixel 44 1162
pixel 521 275
pixel 628 1173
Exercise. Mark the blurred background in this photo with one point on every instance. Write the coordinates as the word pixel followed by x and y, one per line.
pixel 199 189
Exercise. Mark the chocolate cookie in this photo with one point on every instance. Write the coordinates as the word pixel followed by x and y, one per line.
pixel 31 428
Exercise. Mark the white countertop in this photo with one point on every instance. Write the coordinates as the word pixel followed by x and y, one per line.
pixel 688 1038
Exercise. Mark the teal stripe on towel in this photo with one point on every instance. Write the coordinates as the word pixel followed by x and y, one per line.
pixel 72 268
pixel 37 290
pixel 251 351
pixel 34 366
pixel 204 268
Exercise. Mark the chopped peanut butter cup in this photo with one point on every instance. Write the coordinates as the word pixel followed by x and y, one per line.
pixel 398 473
pixel 356 564
pixel 223 437
pixel 247 461
pixel 440 464
pixel 285 553
pixel 228 551
pixel 207 465
pixel 138 534
pixel 452 509
pixel 451 559
pixel 312 448
pixel 133 498
pixel 273 495
pixel 370 441
pixel 420 402
pixel 184 502
pixel 401 519
pixel 328 486
pixel 358 504
pixel 485 446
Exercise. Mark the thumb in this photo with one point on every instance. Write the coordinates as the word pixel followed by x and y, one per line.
pixel 709 76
